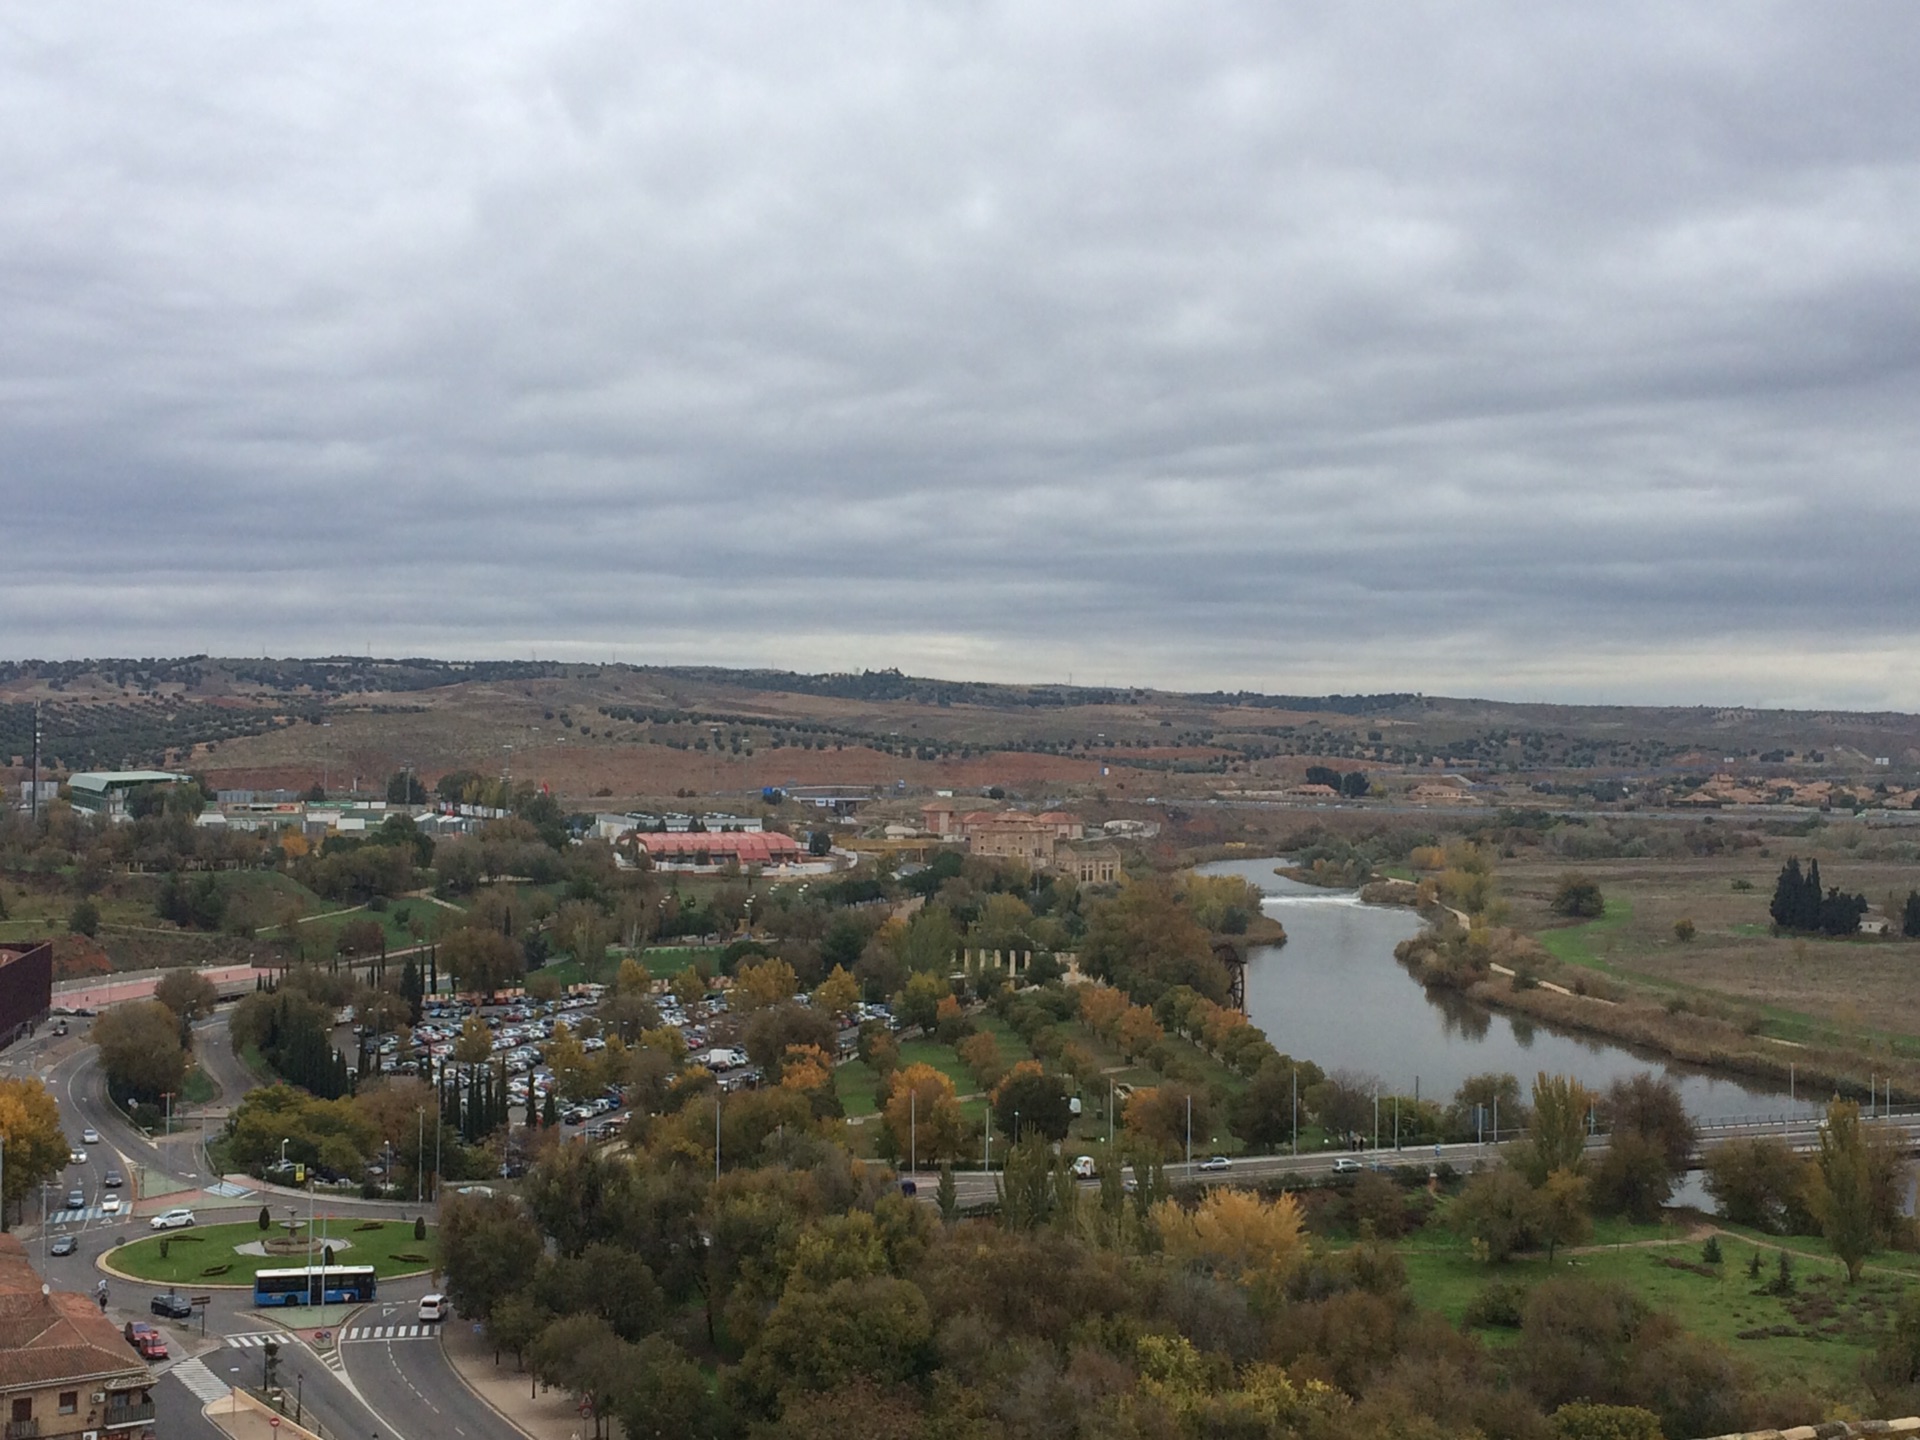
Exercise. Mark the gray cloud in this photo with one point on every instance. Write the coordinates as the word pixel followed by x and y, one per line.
pixel 1528 350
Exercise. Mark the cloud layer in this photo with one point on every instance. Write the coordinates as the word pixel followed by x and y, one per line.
pixel 1529 350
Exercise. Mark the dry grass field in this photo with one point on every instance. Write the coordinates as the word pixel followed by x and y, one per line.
pixel 1866 986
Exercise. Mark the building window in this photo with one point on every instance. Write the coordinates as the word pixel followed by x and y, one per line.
pixel 69 1402
pixel 23 1409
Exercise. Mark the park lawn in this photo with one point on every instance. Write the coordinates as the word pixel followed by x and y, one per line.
pixel 853 1082
pixel 192 1252
pixel 942 1058
pixel 198 1088
pixel 1012 1048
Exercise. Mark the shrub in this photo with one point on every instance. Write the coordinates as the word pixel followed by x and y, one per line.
pixel 1582 1421
pixel 1683 930
pixel 1501 1304
pixel 84 918
pixel 410 1258
pixel 370 1225
pixel 266 1219
pixel 213 1270
pixel 1753 1266
pixel 1710 1252
pixel 419 1227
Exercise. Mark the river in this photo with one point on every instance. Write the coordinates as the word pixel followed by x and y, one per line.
pixel 1335 995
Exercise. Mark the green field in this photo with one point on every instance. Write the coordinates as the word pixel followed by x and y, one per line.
pixel 192 1253
pixel 1589 944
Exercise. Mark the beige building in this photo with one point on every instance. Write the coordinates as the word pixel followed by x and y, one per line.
pixel 1089 864
pixel 66 1372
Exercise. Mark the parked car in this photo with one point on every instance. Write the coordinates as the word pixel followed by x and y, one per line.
pixel 64 1245
pixel 173 1305
pixel 151 1344
pixel 172 1219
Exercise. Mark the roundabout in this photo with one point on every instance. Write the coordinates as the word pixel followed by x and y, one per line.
pixel 228 1256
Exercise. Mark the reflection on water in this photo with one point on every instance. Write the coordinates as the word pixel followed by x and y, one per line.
pixel 1335 995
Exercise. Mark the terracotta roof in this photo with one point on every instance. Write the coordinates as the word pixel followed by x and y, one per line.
pixel 58 1337
pixel 749 846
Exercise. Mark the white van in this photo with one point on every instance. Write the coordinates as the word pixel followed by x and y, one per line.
pixel 1083 1168
pixel 434 1308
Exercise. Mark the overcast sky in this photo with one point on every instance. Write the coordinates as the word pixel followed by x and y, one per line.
pixel 1537 351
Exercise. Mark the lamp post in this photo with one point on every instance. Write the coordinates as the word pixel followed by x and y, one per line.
pixel 420 1155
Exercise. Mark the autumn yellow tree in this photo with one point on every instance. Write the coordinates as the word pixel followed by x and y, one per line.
pixel 806 1068
pixel 1234 1233
pixel 1138 1031
pixel 1101 1006
pixel 770 982
pixel 36 1150
pixel 923 1116
pixel 838 993
pixel 980 1053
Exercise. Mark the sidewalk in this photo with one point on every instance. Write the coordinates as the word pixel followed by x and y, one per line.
pixel 549 1415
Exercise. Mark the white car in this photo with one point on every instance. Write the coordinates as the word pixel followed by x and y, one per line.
pixel 434 1308
pixel 172 1219
pixel 89 1136
pixel 76 1157
pixel 1217 1162
pixel 1347 1165
pixel 110 1205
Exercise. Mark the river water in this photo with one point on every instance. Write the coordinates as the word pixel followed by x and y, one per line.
pixel 1335 995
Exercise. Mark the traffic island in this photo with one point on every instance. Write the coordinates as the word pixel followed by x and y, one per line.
pixel 228 1256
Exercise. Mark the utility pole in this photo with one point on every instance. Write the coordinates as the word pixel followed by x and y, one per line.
pixel 34 798
pixel 913 1132
pixel 1296 1112
pixel 1189 1137
pixel 716 1134
pixel 419 1157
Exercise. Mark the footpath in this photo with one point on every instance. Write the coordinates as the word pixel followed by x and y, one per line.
pixel 536 1411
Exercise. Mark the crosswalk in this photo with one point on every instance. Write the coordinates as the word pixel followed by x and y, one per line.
pixel 205 1385
pixel 254 1339
pixel 76 1217
pixel 389 1332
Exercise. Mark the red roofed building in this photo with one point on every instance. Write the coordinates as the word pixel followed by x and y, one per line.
pixel 65 1369
pixel 717 847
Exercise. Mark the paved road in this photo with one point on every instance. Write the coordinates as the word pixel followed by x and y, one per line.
pixel 409 1378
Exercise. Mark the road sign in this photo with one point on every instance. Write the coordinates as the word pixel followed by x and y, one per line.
pixel 200 1299
pixel 274 1421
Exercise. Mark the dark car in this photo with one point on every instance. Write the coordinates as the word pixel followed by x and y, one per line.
pixel 63 1245
pixel 173 1306
pixel 113 1180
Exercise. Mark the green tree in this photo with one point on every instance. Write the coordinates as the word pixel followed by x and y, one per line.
pixel 488 1249
pixel 1501 1210
pixel 1034 1100
pixel 84 919
pixel 1578 896
pixel 483 960
pixel 189 995
pixel 1840 1188
pixel 667 1397
pixel 1758 1182
pixel 1557 1139
pixel 139 1043
pixel 1910 916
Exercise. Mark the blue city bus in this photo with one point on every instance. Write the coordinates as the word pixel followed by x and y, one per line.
pixel 314 1285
